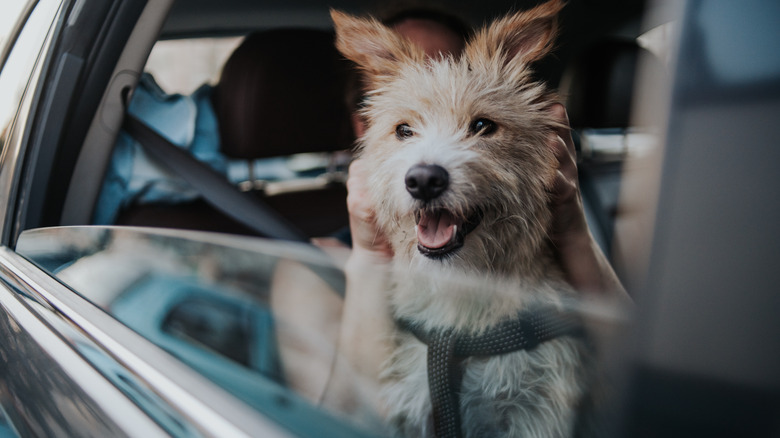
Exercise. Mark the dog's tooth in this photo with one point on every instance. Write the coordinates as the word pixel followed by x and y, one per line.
pixel 454 234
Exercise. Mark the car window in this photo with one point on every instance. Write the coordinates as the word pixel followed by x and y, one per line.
pixel 257 317
pixel 260 318
pixel 15 75
pixel 183 65
pixel 10 12
pixel 17 80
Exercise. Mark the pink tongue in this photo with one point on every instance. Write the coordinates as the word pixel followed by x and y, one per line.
pixel 436 230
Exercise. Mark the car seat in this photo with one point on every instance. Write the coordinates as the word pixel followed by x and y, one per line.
pixel 281 93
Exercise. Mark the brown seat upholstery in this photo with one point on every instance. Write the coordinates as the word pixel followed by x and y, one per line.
pixel 281 92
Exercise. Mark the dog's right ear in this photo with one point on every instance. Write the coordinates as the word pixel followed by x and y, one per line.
pixel 370 44
pixel 520 38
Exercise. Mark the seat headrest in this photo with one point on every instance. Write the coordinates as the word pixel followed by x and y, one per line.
pixel 282 92
pixel 600 84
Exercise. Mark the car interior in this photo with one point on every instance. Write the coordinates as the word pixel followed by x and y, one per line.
pixel 274 127
pixel 276 123
pixel 281 93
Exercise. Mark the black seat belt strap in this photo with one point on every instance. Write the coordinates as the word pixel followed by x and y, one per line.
pixel 215 189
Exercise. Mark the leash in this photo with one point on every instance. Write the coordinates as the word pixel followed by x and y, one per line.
pixel 446 348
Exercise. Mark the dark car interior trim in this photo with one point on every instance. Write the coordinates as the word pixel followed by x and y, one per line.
pixel 87 52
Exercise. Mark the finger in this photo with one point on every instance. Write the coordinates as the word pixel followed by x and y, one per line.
pixel 566 163
pixel 563 145
pixel 558 146
pixel 563 188
pixel 558 112
pixel 356 177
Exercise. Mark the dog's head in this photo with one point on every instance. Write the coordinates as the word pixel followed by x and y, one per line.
pixel 456 143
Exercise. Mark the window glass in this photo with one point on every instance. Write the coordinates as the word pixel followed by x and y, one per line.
pixel 259 318
pixel 263 319
pixel 10 12
pixel 18 68
pixel 181 66
pixel 213 324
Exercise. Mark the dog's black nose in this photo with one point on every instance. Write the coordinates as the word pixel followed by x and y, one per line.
pixel 426 181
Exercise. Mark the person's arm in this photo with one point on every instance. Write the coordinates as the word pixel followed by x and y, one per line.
pixel 585 265
pixel 367 323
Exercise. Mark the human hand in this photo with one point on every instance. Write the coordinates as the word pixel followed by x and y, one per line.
pixel 366 323
pixel 585 265
pixel 367 239
pixel 569 225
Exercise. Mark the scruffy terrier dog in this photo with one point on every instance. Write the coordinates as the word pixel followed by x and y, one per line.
pixel 461 168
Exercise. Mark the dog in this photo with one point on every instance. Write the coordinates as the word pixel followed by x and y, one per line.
pixel 460 180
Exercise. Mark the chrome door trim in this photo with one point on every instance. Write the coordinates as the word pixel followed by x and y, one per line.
pixel 208 407
pixel 124 413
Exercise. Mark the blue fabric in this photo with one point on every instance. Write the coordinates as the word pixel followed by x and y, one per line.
pixel 187 121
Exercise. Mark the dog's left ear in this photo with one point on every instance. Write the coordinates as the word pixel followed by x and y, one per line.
pixel 374 47
pixel 523 37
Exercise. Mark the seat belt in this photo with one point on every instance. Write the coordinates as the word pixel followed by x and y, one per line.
pixel 215 189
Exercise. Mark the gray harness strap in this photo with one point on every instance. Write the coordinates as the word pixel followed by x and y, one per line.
pixel 446 348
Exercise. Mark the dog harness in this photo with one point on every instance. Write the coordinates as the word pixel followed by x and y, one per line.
pixel 446 348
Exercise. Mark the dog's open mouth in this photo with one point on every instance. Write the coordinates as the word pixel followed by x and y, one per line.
pixel 439 232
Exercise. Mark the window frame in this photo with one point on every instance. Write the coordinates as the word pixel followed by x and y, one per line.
pixel 19 123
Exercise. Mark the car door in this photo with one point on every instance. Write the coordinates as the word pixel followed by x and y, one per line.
pixel 47 389
pixel 70 367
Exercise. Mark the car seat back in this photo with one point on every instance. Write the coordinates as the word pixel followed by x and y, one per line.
pixel 281 94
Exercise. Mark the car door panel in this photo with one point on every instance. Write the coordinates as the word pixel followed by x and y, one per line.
pixel 48 388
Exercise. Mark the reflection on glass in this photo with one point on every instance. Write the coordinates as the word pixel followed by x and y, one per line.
pixel 237 310
pixel 213 324
pixel 260 318
pixel 19 65
pixel 10 12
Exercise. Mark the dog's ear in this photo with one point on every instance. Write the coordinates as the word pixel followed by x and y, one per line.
pixel 374 47
pixel 522 37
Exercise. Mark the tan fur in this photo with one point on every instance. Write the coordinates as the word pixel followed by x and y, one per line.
pixel 505 175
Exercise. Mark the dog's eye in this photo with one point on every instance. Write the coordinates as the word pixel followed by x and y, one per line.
pixel 403 131
pixel 482 127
